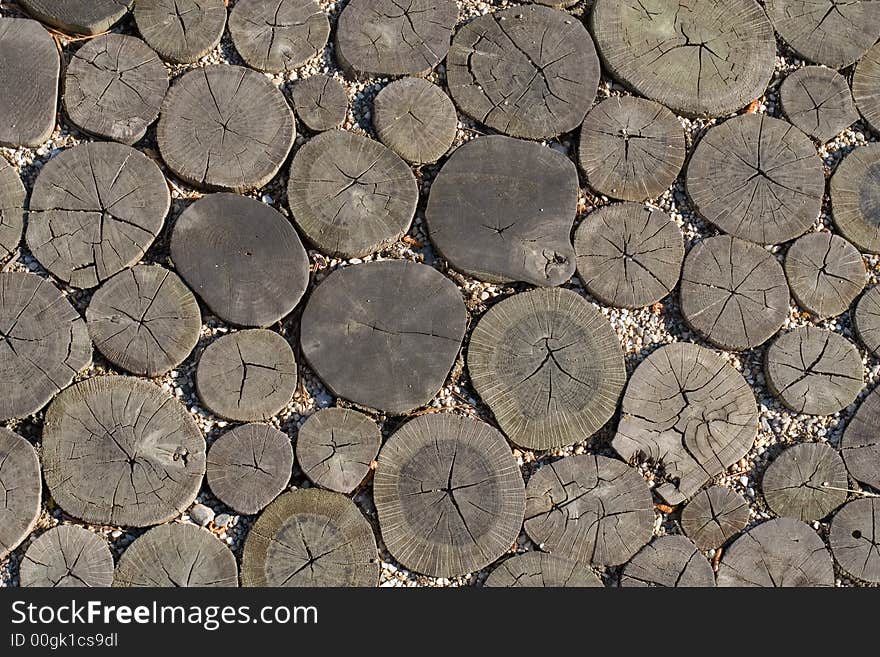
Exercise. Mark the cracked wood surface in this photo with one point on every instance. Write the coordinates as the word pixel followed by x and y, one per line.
pixel 855 539
pixel 67 556
pixel 121 451
pixel 241 257
pixel 733 293
pixel 628 255
pixel 814 371
pixel 539 569
pixel 310 537
pixel 350 195
pixel 278 35
pixel 669 561
pixel 176 555
pixel 528 71
pixel 855 197
pixel 12 195
pixel 825 273
pixel 449 495
pixel 249 466
pixel 335 448
pixel 756 178
pixel 21 487
pixel 818 101
pixel 94 210
pixel 689 410
pixel 860 445
pixel 225 127
pixel 713 516
pixel 78 16
pixel 320 102
pixel 831 32
pixel 247 375
pixel 181 31
pixel 805 482
pixel 866 320
pixel 44 343
pixel 378 38
pixel 631 148
pixel 777 553
pixel 369 335
pixel 866 87
pixel 415 119
pixel 589 508
pixel 144 320
pixel 706 58
pixel 501 210
pixel 548 365
pixel 28 83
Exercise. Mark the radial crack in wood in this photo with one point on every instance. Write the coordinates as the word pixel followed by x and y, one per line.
pixel 860 445
pixel 818 101
pixel 67 556
pixel 12 195
pixel 540 570
pixel 320 102
pixel 669 561
pixel 713 516
pixel 21 487
pixel 855 539
pixel 855 197
pixel 825 273
pixel 181 31
pixel 805 482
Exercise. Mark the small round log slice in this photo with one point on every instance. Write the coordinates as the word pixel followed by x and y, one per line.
pixel 542 570
pixel 855 197
pixel 28 83
pixel 379 38
pixel 310 537
pixel 144 320
pixel 225 127
pixel 866 320
pixel 12 195
pixel 828 32
pixel 866 88
pixel 181 31
pixel 628 255
pixel 336 446
pixel 121 451
pixel 733 292
pixel 548 365
pixel 502 209
pixel 825 273
pixel 805 482
pixel 94 210
pixel 504 72
pixel 686 407
pixel 44 343
pixel 631 148
pixel 778 553
pixel 814 371
pixel 668 561
pixel 590 509
pixel 78 16
pixel 321 102
pixel 21 486
pixel 278 35
pixel 384 334
pixel 242 258
pixel 249 466
pixel 247 375
pixel 713 516
pixel 415 119
pixel 860 445
pixel 114 87
pixel 757 178
pixel 818 101
pixel 67 556
pixel 350 195
pixel 176 555
pixel 449 495
pixel 710 58
pixel 855 539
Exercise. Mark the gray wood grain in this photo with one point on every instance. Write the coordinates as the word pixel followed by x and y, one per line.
pixel 713 516
pixel 181 31
pixel 733 292
pixel 241 257
pixel 225 127
pixel 44 343
pixel 247 375
pixel 806 482
pixel 94 210
pixel 860 445
pixel 504 73
pixel 67 556
pixel 866 319
pixel 855 197
pixel 502 209
pixel 78 16
pixel 818 101
pixel 541 570
pixel 21 485
pixel 350 195
pixel 320 102
pixel 310 537
pixel 631 148
pixel 449 495
pixel 866 88
pixel 121 451
pixel 669 561
pixel 384 334
pixel 855 539
pixel 12 195
pixel 825 273
pixel 688 409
